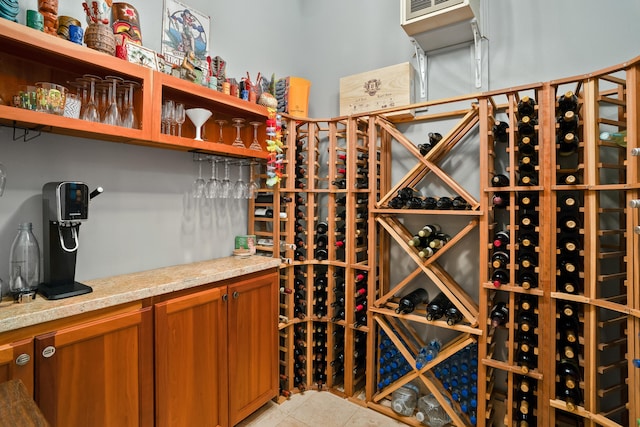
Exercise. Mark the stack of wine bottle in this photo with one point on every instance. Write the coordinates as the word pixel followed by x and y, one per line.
pixel 428 240
pixel 361 297
pixel 527 114
pixel 433 139
pixel 300 357
pixel 320 354
pixel 359 356
pixel 569 243
pixel 320 294
pixel 500 259
pixel 392 364
pixel 301 210
pixel 435 309
pixel 568 372
pixel 361 172
pixel 339 289
pixel 337 364
pixel 300 293
pixel 526 334
pixel 410 198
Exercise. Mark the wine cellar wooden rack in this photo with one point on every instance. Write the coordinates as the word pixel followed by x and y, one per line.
pixel 541 264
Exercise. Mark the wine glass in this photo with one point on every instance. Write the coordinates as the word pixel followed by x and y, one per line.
pixel 179 117
pixel 255 145
pixel 254 186
pixel 241 189
pixel 91 112
pixel 225 185
pixel 129 118
pixel 238 123
pixel 112 114
pixel 168 110
pixel 221 123
pixel 199 183
pixel 212 189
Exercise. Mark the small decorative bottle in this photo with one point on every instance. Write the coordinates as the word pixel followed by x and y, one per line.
pixel 24 265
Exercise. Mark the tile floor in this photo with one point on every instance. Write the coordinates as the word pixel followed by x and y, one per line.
pixel 317 409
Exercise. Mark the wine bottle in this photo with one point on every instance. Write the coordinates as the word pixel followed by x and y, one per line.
pixel 526 107
pixel 526 126
pixel 500 277
pixel 459 203
pixel 527 321
pixel 322 228
pixel 568 101
pixel 567 144
pixel 526 341
pixel 453 315
pixel 569 244
pixel 444 202
pixel 499 314
pixel 569 373
pixel 528 200
pixel 568 329
pixel 500 180
pixel 528 240
pixel 426 252
pixel 571 396
pixel 501 239
pixel 500 259
pixel 527 302
pixel 437 307
pixel 409 302
pixel 568 122
pixel 569 223
pixel 428 230
pixel 569 309
pixel 429 203
pixel 500 200
pixel 568 202
pixel 341 183
pixel 438 241
pixel 527 149
pixel 528 219
pixel 528 178
pixel 568 179
pixel 338 315
pixel 527 260
pixel 569 283
pixel 500 131
pixel 526 360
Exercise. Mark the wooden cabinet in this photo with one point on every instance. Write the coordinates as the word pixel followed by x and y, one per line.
pixel 29 56
pixel 191 359
pixel 253 344
pixel 16 362
pixel 216 353
pixel 97 373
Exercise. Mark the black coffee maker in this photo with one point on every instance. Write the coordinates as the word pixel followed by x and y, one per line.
pixel 65 206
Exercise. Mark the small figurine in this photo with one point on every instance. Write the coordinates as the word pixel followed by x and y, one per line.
pixel 49 10
pixel 98 13
pixel 189 65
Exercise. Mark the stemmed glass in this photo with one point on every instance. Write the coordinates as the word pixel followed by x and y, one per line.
pixel 241 189
pixel 179 117
pixel 129 118
pixel 212 190
pixel 255 145
pixel 112 115
pixel 199 183
pixel 238 123
pixel 225 186
pixel 90 112
pixel 168 111
pixel 221 123
pixel 253 184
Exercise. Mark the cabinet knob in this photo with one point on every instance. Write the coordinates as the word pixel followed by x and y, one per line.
pixel 236 294
pixel 23 359
pixel 225 297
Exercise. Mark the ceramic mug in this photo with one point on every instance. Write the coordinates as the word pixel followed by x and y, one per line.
pixel 35 20
pixel 76 34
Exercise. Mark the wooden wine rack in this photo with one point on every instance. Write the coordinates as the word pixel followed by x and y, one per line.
pixel 607 299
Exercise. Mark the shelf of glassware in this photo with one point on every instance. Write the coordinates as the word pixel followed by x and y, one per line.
pixel 219 131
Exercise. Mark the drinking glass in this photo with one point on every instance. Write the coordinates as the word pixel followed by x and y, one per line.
pixel 179 117
pixel 241 189
pixel 199 183
pixel 255 145
pixel 221 123
pixel 225 186
pixel 129 118
pixel 254 185
pixel 90 112
pixel 112 113
pixel 168 110
pixel 238 123
pixel 212 189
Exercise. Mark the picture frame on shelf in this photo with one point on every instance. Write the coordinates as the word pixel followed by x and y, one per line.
pixel 138 54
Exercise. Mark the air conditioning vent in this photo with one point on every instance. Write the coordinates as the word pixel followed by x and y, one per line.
pixel 436 24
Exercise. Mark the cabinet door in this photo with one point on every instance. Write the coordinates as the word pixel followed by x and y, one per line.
pixel 16 362
pixel 191 360
pixel 97 373
pixel 253 344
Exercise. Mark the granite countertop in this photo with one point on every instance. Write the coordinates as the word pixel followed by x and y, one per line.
pixel 111 291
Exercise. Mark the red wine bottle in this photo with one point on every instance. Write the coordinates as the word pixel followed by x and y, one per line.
pixel 499 314
pixel 500 259
pixel 437 307
pixel 500 131
pixel 409 302
pixel 568 122
pixel 527 126
pixel 501 239
pixel 526 107
pixel 568 101
pixel 500 277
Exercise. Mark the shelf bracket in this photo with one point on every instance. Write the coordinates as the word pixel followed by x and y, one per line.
pixel 25 133
pixel 421 59
pixel 477 45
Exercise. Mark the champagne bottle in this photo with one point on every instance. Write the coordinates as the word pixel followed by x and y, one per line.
pixel 499 314
pixel 437 307
pixel 409 302
pixel 526 106
pixel 500 131
pixel 568 101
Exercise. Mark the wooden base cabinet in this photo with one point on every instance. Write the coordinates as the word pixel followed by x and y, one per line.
pixel 97 373
pixel 216 353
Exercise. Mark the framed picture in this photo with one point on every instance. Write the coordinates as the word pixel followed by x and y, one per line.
pixel 141 55
pixel 185 30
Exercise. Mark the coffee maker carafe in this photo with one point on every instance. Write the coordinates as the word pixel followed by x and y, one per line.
pixel 65 207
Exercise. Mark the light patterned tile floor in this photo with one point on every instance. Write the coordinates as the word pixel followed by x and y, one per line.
pixel 317 409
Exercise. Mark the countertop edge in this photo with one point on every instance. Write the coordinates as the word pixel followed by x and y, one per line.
pixel 127 288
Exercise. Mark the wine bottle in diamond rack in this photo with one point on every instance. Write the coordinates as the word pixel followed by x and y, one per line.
pixel 413 299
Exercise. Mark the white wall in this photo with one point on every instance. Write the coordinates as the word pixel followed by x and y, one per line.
pixel 138 223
